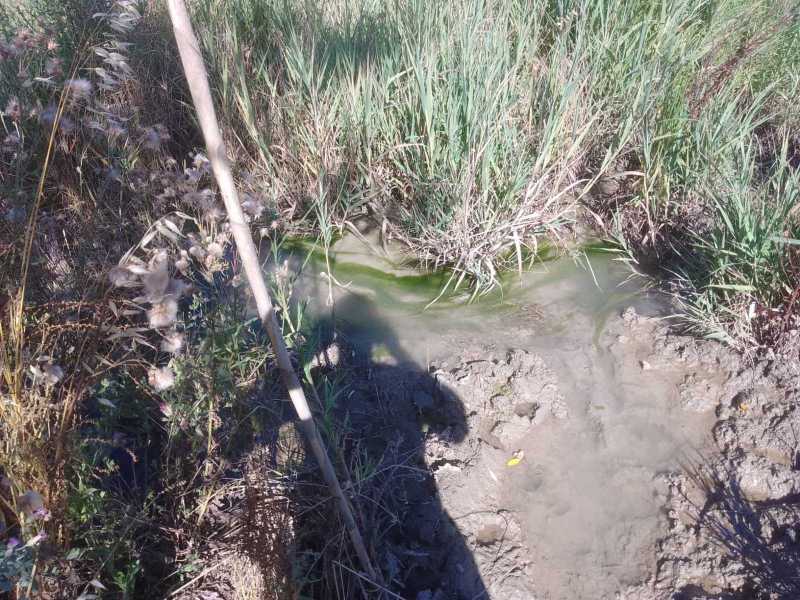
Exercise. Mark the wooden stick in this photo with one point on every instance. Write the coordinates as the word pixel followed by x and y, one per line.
pixel 197 77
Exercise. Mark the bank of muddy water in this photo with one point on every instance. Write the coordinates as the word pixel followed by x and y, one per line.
pixel 558 440
pixel 732 524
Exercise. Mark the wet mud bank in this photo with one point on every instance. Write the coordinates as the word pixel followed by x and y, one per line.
pixel 560 441
pixel 732 527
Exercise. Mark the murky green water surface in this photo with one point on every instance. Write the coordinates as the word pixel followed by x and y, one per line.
pixel 380 302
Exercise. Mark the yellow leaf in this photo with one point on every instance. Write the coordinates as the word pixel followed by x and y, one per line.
pixel 515 459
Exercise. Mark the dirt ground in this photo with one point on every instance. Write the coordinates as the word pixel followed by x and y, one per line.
pixel 707 512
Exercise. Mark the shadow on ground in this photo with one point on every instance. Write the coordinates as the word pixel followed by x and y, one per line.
pixel 378 406
pixel 258 502
pixel 762 537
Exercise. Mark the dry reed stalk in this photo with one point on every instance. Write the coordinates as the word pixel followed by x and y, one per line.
pixel 197 77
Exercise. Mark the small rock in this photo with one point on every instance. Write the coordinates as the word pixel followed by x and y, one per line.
pixel 489 533
pixel 526 409
pixel 328 358
pixel 485 435
pixel 629 315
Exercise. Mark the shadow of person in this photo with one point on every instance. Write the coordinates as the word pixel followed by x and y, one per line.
pixel 392 407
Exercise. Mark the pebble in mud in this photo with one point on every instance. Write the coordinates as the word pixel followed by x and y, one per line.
pixel 526 409
pixel 489 533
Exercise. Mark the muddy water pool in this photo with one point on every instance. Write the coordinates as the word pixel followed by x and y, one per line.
pixel 586 496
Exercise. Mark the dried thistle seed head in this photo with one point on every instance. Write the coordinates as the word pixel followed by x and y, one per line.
pixel 47 116
pixel 53 67
pixel 24 40
pixel 13 109
pixel 252 206
pixel 30 502
pixel 53 374
pixel 78 89
pixel 202 166
pixel 66 125
pixel 121 276
pixel 161 379
pixel 154 137
pixel 206 201
pixel 156 281
pixel 216 250
pixel 182 264
pixel 172 342
pixel 163 313
pixel 48 375
pixel 215 213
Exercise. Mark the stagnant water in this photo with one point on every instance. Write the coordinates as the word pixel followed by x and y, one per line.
pixel 587 493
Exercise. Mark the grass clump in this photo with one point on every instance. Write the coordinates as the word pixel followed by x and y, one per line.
pixel 469 129
pixel 430 117
pixel 742 281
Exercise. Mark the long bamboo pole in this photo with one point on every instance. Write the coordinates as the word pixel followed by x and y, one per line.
pixel 196 75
